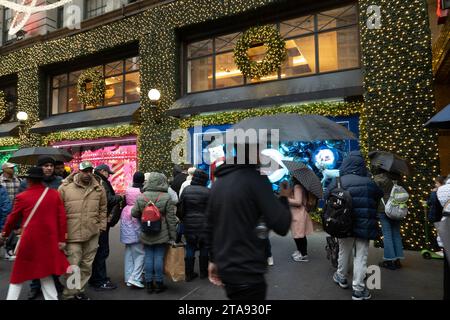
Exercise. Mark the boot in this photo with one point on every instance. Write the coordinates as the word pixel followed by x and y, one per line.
pixel 203 267
pixel 160 287
pixel 388 265
pixel 150 287
pixel 189 269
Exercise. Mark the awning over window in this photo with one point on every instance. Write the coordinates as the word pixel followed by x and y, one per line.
pixel 9 129
pixel 95 117
pixel 323 86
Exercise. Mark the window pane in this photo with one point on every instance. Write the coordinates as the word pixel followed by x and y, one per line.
pixel 337 18
pixel 200 49
pixel 60 81
pixel 227 73
pixel 11 104
pixel 74 105
pixel 200 74
pixel 114 91
pixel 73 77
pixel 228 42
pixel 297 27
pixel 132 64
pixel 95 8
pixel 339 49
pixel 59 101
pixel 114 68
pixel 132 87
pixel 301 57
pixel 257 54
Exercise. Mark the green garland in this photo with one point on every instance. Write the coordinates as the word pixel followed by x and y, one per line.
pixel 113 132
pixel 275 56
pixel 96 95
pixel 2 105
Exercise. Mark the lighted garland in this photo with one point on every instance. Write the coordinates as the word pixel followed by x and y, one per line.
pixel 274 58
pixel 97 93
pixel 9 141
pixel 113 132
pixel 397 78
pixel 3 105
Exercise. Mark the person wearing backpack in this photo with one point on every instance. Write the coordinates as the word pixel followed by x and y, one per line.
pixel 392 239
pixel 156 211
pixel 443 196
pixel 365 194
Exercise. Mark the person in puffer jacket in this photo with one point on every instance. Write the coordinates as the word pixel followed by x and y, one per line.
pixel 192 212
pixel 365 198
pixel 130 229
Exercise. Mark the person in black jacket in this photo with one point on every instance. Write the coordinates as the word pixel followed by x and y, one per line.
pixel 179 176
pixel 365 198
pixel 240 197
pixel 99 279
pixel 192 212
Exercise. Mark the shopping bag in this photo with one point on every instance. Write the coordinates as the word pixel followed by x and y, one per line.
pixel 174 263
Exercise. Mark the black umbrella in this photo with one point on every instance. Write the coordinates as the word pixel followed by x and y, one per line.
pixel 306 177
pixel 29 156
pixel 294 127
pixel 390 162
pixel 441 120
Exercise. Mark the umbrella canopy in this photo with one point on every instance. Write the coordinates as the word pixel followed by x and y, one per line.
pixel 294 127
pixel 441 120
pixel 390 162
pixel 29 156
pixel 306 177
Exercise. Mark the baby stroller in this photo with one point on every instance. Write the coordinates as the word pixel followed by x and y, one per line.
pixel 332 249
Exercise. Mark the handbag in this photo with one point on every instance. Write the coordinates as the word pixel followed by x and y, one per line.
pixel 29 218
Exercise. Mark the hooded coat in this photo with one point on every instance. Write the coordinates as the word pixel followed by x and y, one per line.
pixel 192 206
pixel 130 228
pixel 85 207
pixel 365 194
pixel 156 188
pixel 38 254
pixel 240 197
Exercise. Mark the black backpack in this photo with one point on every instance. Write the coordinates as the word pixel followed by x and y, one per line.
pixel 337 216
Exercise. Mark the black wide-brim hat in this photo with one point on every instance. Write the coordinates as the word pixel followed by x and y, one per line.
pixel 34 173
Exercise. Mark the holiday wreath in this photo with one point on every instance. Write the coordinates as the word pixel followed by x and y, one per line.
pixel 96 94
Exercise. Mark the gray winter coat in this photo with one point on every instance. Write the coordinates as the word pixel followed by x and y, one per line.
pixel 155 186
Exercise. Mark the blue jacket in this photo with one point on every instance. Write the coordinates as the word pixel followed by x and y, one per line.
pixel 5 206
pixel 365 195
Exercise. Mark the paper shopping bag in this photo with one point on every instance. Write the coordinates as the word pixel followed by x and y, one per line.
pixel 174 263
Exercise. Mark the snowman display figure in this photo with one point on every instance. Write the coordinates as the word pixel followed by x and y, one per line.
pixel 216 158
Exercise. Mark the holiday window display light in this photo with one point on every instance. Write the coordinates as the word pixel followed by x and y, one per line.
pixel 96 94
pixel 3 105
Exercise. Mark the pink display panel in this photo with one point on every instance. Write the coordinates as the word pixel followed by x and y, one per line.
pixel 120 157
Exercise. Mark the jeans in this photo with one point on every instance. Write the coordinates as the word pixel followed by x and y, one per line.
pixel 446 278
pixel 256 291
pixel 346 246
pixel 134 262
pixel 99 275
pixel 154 262
pixel 48 289
pixel 393 247
pixel 192 247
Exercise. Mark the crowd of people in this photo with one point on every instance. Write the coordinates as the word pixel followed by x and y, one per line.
pixel 55 223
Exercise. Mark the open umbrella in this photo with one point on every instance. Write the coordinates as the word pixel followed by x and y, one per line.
pixel 29 156
pixel 306 177
pixel 294 127
pixel 441 120
pixel 390 162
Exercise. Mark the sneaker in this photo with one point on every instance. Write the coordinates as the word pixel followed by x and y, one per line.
pixel 9 255
pixel 270 261
pixel 160 287
pixel 361 295
pixel 440 253
pixel 340 281
pixel 296 253
pixel 81 296
pixel 388 265
pixel 136 284
pixel 108 285
pixel 128 284
pixel 398 264
pixel 301 258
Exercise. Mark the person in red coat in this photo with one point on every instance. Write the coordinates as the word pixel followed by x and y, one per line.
pixel 40 251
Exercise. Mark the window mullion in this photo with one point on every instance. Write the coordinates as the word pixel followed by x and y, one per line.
pixel 316 42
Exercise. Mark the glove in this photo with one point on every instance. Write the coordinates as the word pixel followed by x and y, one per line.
pixel 172 243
